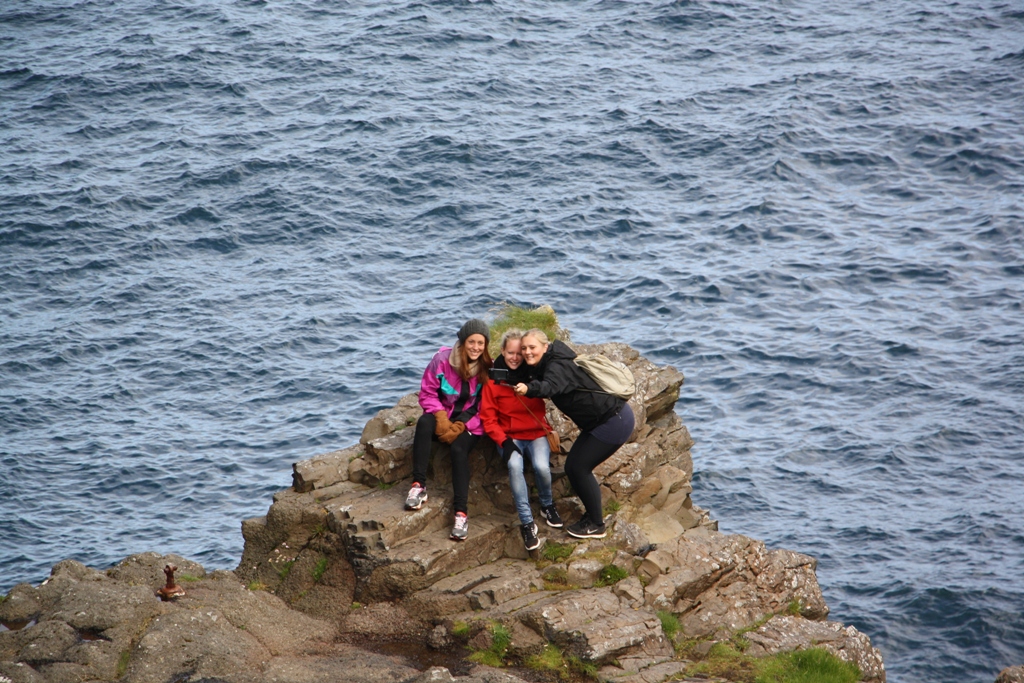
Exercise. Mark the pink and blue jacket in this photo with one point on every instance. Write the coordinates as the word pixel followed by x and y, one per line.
pixel 440 389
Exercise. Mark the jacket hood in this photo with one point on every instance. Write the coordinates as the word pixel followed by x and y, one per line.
pixel 559 350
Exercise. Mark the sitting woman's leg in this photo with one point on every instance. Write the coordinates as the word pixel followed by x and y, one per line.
pixel 460 469
pixel 520 492
pixel 539 452
pixel 421 446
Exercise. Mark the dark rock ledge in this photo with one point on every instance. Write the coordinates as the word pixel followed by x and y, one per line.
pixel 338 583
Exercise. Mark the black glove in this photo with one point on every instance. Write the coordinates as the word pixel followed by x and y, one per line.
pixel 508 447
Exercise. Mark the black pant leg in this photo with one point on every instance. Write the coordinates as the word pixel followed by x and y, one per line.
pixel 587 453
pixel 422 443
pixel 460 469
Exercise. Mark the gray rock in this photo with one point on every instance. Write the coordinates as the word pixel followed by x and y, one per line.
pixel 628 536
pixel 642 670
pixel 22 604
pixel 440 638
pixel 592 624
pixel 421 561
pixel 147 569
pixel 630 589
pixel 493 584
pixel 717 581
pixel 389 458
pixel 343 663
pixel 788 633
pixel 404 414
pixel 435 674
pixel 324 470
pixel 19 672
pixel 584 572
pixel 383 620
pixel 1011 674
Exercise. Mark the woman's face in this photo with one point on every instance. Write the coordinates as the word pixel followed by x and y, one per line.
pixel 532 350
pixel 511 353
pixel 475 344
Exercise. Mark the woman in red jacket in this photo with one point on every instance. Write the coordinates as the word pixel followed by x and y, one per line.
pixel 518 427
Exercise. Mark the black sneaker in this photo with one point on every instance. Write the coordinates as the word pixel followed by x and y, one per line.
pixel 551 515
pixel 586 529
pixel 530 539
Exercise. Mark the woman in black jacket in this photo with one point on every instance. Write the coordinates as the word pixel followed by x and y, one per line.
pixel 605 421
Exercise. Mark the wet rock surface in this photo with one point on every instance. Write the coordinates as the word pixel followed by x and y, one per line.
pixel 337 564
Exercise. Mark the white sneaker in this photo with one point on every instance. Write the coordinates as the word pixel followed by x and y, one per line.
pixel 417 496
pixel 461 528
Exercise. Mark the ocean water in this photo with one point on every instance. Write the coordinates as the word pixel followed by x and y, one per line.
pixel 231 231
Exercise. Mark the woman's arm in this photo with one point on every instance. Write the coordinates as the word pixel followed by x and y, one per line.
pixel 429 385
pixel 557 379
pixel 489 414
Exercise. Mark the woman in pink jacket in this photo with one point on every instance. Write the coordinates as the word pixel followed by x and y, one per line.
pixel 450 398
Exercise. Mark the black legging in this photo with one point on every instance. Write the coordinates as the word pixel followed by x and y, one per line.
pixel 460 448
pixel 587 453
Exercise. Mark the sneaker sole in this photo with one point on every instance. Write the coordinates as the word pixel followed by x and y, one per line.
pixel 554 526
pixel 579 535
pixel 534 547
pixel 457 538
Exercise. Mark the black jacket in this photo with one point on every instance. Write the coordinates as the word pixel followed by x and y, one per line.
pixel 557 377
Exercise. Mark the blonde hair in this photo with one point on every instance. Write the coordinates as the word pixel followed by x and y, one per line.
pixel 511 334
pixel 537 334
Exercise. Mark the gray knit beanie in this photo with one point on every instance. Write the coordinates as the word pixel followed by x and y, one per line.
pixel 475 326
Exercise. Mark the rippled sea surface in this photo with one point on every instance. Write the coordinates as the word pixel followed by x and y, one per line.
pixel 231 231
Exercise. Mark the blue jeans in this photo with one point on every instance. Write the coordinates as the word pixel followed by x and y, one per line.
pixel 540 456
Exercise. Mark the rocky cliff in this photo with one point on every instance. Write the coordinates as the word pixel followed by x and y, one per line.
pixel 338 582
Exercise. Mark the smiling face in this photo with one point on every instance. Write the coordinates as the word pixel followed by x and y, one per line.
pixel 511 353
pixel 532 350
pixel 475 344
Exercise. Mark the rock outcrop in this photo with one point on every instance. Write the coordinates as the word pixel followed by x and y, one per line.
pixel 337 565
pixel 1011 674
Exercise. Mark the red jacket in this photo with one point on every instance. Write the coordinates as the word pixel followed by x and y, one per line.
pixel 504 415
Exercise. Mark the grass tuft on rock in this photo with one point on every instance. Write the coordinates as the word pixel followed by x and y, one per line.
pixel 726 660
pixel 256 586
pixel 494 656
pixel 549 659
pixel 284 569
pixel 122 663
pixel 669 624
pixel 509 316
pixel 460 629
pixel 611 575
pixel 556 552
pixel 807 666
pixel 319 569
pixel 582 666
